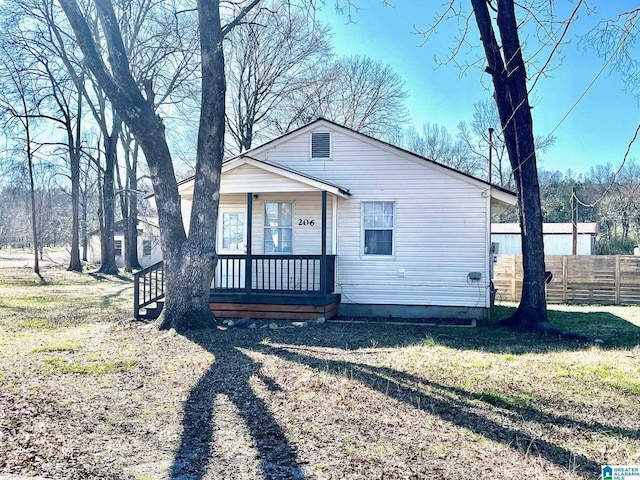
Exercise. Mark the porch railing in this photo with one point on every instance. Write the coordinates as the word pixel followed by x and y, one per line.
pixel 148 287
pixel 305 274
pixel 277 274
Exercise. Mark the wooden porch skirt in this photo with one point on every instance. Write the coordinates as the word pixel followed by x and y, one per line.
pixel 269 306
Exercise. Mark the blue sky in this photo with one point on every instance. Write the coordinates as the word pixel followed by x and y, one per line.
pixel 596 132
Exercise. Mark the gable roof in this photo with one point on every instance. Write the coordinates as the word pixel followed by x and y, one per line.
pixel 380 143
pixel 302 178
pixel 503 197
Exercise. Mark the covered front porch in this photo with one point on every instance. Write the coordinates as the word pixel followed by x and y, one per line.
pixel 276 245
pixel 275 286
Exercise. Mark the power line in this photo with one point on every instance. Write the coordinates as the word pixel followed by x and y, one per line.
pixel 615 175
pixel 581 97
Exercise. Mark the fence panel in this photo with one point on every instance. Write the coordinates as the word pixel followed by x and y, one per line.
pixel 586 279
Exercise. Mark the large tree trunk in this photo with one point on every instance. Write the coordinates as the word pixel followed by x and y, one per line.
pixel 507 68
pixel 108 255
pixel 129 203
pixel 189 263
pixel 199 255
pixel 32 192
pixel 74 159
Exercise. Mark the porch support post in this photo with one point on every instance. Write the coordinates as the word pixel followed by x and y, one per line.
pixel 248 259
pixel 323 258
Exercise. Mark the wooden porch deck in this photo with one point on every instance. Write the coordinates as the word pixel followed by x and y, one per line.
pixel 274 306
pixel 259 286
pixel 275 286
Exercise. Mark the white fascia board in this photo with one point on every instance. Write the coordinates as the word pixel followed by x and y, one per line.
pixel 283 172
pixel 504 197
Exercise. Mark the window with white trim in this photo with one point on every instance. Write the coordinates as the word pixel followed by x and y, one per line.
pixel 117 245
pixel 377 226
pixel 278 227
pixel 320 145
pixel 146 248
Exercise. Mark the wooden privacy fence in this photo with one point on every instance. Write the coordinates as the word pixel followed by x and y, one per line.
pixel 595 279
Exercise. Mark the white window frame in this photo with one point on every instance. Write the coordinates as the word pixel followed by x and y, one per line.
pixel 221 229
pixel 116 248
pixel 266 227
pixel 144 244
pixel 363 230
pixel 311 135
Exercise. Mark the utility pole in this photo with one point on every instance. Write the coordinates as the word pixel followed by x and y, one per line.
pixel 574 222
pixel 490 152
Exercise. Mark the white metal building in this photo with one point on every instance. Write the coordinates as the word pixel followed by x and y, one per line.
pixel 558 238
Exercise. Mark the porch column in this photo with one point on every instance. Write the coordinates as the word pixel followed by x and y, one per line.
pixel 323 258
pixel 248 258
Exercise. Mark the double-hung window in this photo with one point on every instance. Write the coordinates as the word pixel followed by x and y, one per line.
pixel 378 226
pixel 278 227
pixel 146 248
pixel 117 245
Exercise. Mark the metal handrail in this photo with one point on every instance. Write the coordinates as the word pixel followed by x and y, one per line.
pixel 148 287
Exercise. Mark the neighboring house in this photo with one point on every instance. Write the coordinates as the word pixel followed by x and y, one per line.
pixel 329 218
pixel 149 251
pixel 558 238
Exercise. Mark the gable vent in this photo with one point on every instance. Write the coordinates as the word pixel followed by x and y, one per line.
pixel 320 145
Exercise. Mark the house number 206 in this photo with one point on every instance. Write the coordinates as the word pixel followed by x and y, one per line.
pixel 305 222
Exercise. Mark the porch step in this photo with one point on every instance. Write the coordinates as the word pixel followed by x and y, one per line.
pixel 151 312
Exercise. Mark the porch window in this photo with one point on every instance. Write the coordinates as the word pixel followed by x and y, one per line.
pixel 146 248
pixel 320 145
pixel 278 227
pixel 233 231
pixel 117 244
pixel 378 225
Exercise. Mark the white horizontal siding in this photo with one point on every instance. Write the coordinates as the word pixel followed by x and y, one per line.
pixel 261 181
pixel 440 232
pixel 307 239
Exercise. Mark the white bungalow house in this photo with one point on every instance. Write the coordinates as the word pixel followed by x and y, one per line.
pixel 325 221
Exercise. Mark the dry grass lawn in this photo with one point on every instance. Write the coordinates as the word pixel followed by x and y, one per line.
pixel 88 394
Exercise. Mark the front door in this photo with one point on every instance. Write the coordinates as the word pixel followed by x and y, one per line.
pixel 232 240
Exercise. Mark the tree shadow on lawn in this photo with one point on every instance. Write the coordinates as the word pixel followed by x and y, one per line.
pixel 613 331
pixel 459 407
pixel 232 370
pixel 229 375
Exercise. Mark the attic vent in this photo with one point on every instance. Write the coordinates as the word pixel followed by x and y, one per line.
pixel 320 145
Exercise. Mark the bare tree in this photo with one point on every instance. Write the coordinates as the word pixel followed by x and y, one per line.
pixel 271 56
pixel 616 195
pixel 506 65
pixel 436 143
pixel 189 261
pixel 615 41
pixel 129 199
pixel 354 91
pixel 505 62
pixel 484 132
pixel 20 100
